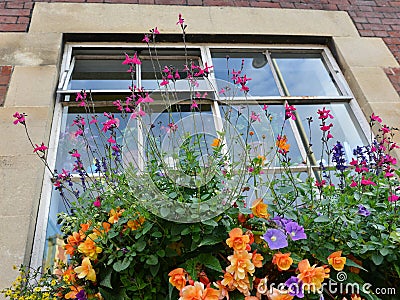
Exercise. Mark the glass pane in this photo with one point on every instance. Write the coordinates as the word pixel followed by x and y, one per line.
pixel 253 65
pixel 305 75
pixel 345 128
pixel 271 119
pixel 90 74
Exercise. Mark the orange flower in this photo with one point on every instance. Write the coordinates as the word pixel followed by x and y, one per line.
pixel 257 259
pixel 73 241
pixel 210 294
pixel 259 209
pixel 283 261
pixel 69 275
pixel 197 292
pixel 243 286
pixel 177 278
pixel 115 215
pixel 251 298
pixel 336 261
pixel 356 297
pixel 228 281
pixel 106 228
pixel 74 291
pixel 223 291
pixel 237 240
pixel 216 143
pixel 278 295
pixel 135 224
pixel 281 143
pixel 89 247
pixel 312 276
pixel 86 270
pixel 240 264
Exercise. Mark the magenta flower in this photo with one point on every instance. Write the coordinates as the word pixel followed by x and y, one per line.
pixel 275 238
pixel 155 31
pixel 375 118
pixel 324 114
pixel 295 231
pixel 97 202
pixel 393 198
pixel 75 153
pixel 353 183
pixel 289 109
pixel 255 117
pixel 131 60
pixel 94 120
pixel 40 148
pixel 180 20
pixel 146 38
pixel 194 105
pixel 111 140
pixel 20 118
pixel 326 127
pixel 367 182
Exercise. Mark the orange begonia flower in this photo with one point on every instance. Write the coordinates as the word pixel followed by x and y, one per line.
pixel 336 261
pixel 135 224
pixel 196 291
pixel 74 291
pixel 283 261
pixel 72 241
pixel 281 143
pixel 259 209
pixel 69 275
pixel 312 276
pixel 86 270
pixel 115 215
pixel 216 143
pixel 240 264
pixel 228 281
pixel 177 278
pixel 257 259
pixel 89 247
pixel 278 295
pixel 237 240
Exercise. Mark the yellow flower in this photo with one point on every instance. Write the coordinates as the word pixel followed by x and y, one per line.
pixel 240 264
pixel 89 247
pixel 86 270
pixel 336 261
pixel 115 215
pixel 216 143
pixel 283 261
pixel 259 209
pixel 257 260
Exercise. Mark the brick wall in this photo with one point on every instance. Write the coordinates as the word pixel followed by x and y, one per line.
pixel 373 18
pixel 5 75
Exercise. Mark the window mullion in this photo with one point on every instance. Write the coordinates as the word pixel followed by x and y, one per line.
pixel 277 77
pixel 69 74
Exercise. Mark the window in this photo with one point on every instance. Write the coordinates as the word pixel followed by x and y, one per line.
pixel 304 76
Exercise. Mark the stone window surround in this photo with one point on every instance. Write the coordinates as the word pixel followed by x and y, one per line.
pixel 36 58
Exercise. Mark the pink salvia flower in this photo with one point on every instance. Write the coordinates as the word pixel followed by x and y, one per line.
pixel 194 105
pixel 97 202
pixel 324 114
pixel 289 109
pixel 164 82
pixel 20 118
pixel 265 107
pixel 94 120
pixel 353 183
pixel 75 154
pixel 255 117
pixel 155 31
pixel 180 20
pixel 146 38
pixel 111 140
pixel 385 129
pixel 367 182
pixel 393 198
pixel 326 127
pixel 376 118
pixel 79 132
pixel 40 148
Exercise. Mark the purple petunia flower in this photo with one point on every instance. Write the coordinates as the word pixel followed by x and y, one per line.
pixel 295 231
pixel 279 221
pixel 275 238
pixel 363 211
pixel 81 295
pixel 295 287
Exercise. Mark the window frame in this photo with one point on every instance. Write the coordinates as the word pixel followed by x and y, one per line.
pixel 63 95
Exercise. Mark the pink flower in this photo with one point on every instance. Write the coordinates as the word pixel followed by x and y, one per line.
pixel 20 118
pixel 172 126
pixel 393 198
pixel 376 118
pixel 177 76
pixel 367 182
pixel 131 60
pixel 79 132
pixel 97 202
pixel 40 148
pixel 180 20
pixel 385 129
pixel 94 120
pixel 146 38
pixel 155 31
pixel 329 135
pixel 326 127
pixel 164 82
pixel 353 183
pixel 111 140
pixel 255 117
pixel 289 109
pixel 75 153
pixel 389 174
pixel 320 183
pixel 194 105
pixel 324 114
pixel 265 107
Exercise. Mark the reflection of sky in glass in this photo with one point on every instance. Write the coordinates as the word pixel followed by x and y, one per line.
pixel 345 128
pixel 262 83
pixel 276 112
pixel 306 77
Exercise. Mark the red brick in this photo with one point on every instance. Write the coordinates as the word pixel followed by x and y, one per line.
pixel 5 70
pixel 13 27
pixel 380 33
pixel 10 4
pixel 391 21
pixel 377 27
pixel 374 20
pixel 28 5
pixel 360 19
pixel 23 20
pixel 95 1
pixel 15 12
pixel 264 4
pixel 4 19
pixel 195 2
pixel 171 2
pixel 395 3
pixel 366 33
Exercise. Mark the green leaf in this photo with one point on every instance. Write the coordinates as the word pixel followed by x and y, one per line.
pixel 190 267
pixel 210 262
pixel 351 263
pixel 164 211
pixel 154 270
pixel 146 227
pixel 210 222
pixel 185 231
pixel 397 269
pixel 322 219
pixel 119 266
pixel 377 259
pixel 160 253
pixel 140 245
pixel 152 260
pixel 210 240
pixel 384 251
pixel 157 234
pixel 114 294
pixel 107 279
